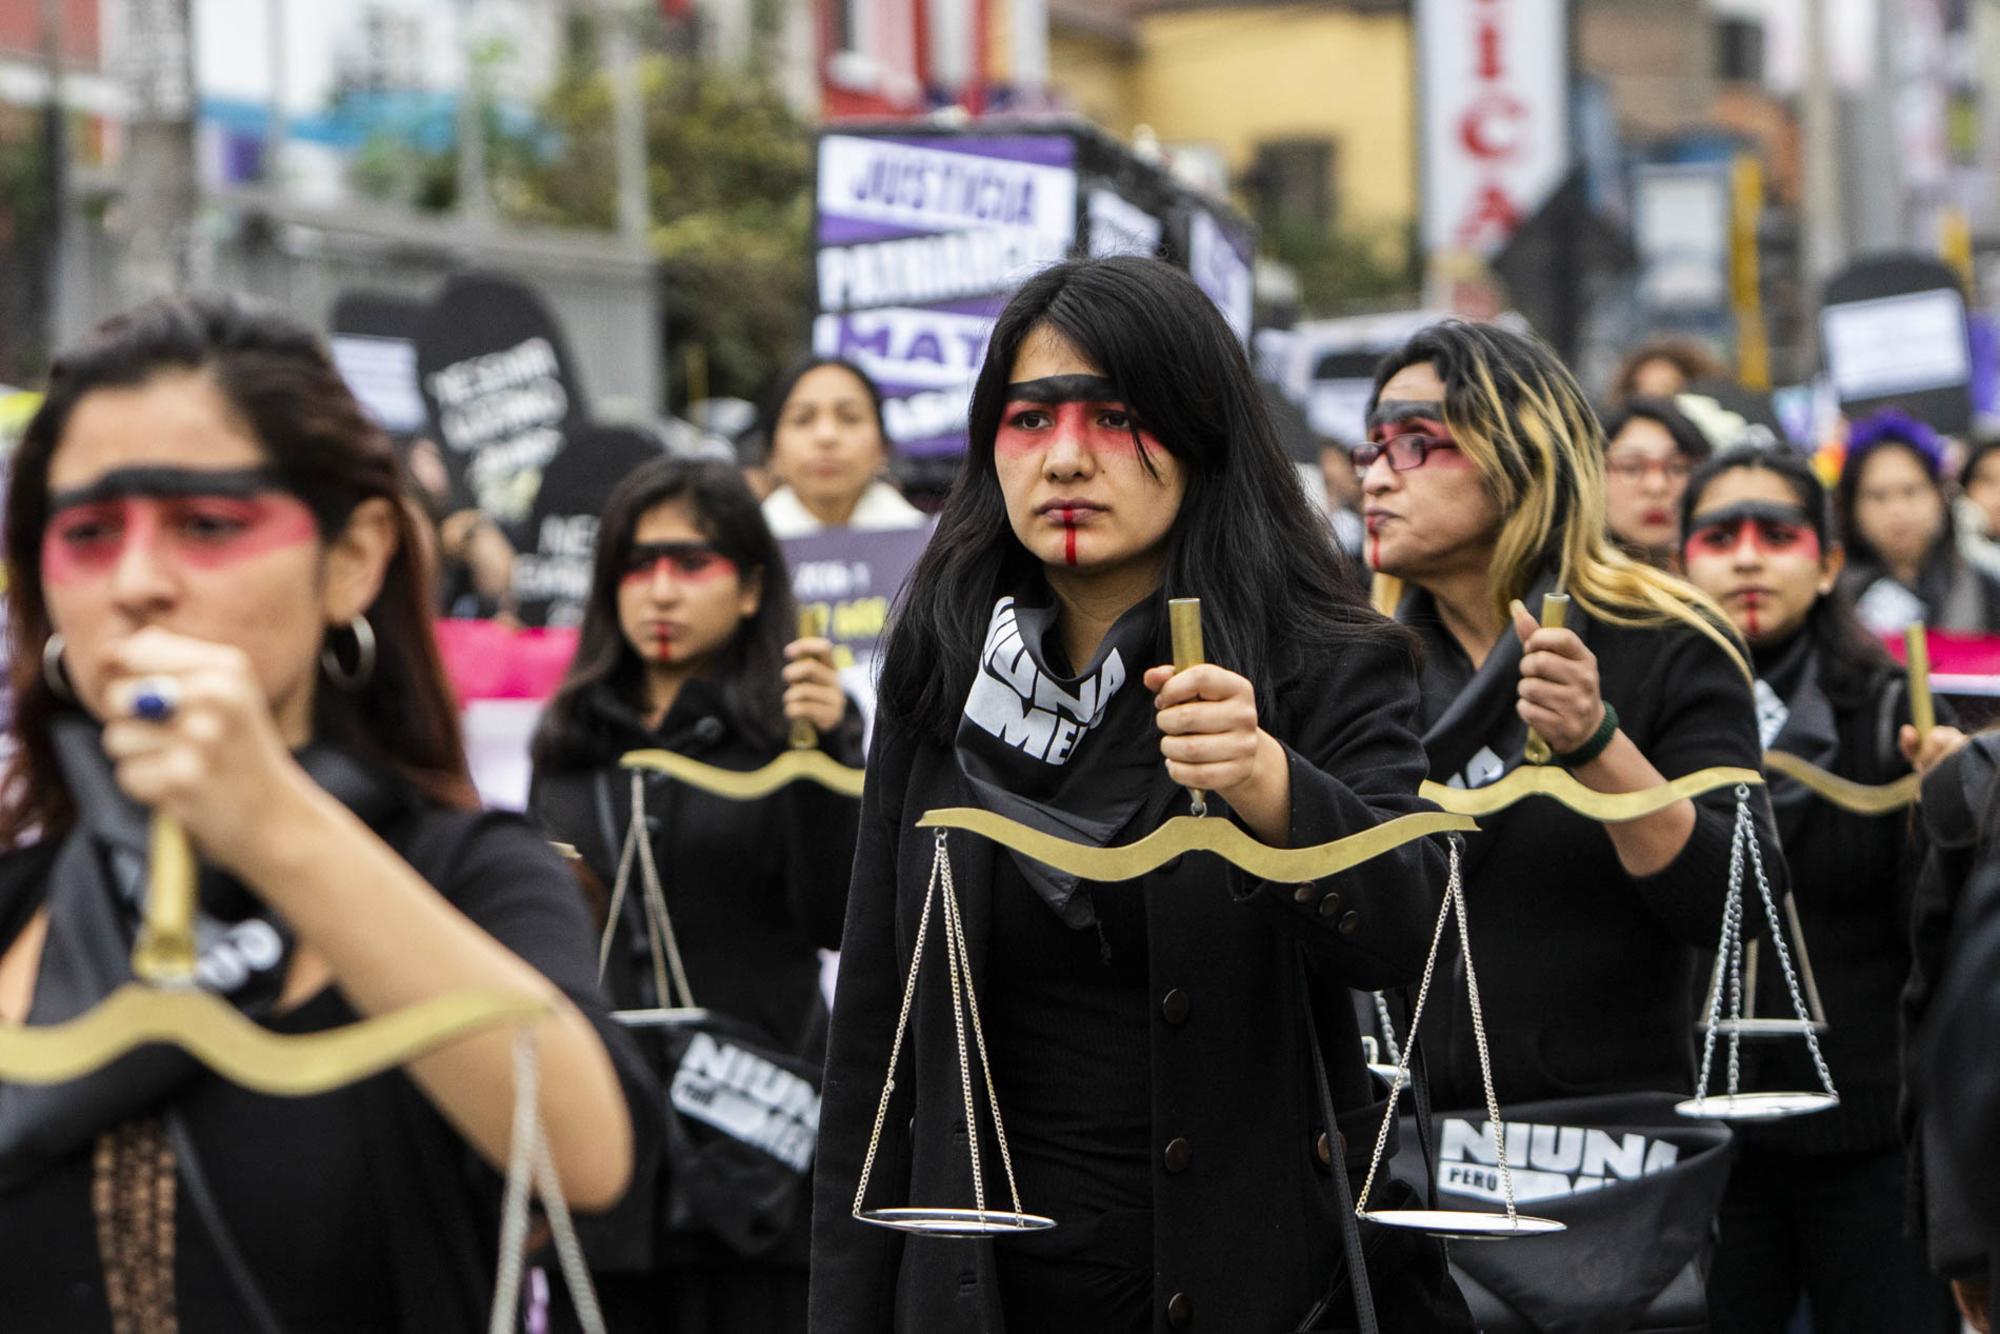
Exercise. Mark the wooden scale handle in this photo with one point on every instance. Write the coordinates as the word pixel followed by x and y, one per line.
pixel 165 950
pixel 1184 619
pixel 1555 610
pixel 1917 662
pixel 804 735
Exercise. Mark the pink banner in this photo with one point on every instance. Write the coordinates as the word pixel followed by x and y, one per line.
pixel 486 660
pixel 1957 655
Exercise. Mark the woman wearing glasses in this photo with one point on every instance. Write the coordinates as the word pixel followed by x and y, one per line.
pixel 1484 488
pixel 1652 449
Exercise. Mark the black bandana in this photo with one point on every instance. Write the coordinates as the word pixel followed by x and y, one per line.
pixel 1074 756
pixel 1793 715
pixel 1473 733
pixel 95 899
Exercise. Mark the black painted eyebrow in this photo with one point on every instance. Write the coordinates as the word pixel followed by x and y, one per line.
pixel 1065 389
pixel 645 553
pixel 1395 411
pixel 155 483
pixel 1759 511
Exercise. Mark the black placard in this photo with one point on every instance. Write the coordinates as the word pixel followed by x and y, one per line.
pixel 502 392
pixel 1893 334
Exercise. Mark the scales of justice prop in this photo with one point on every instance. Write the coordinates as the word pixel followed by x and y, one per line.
pixel 802 761
pixel 1537 777
pixel 165 1005
pixel 1179 835
pixel 1736 959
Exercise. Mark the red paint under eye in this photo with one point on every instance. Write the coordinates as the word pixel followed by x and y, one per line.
pixel 196 532
pixel 690 568
pixel 1029 428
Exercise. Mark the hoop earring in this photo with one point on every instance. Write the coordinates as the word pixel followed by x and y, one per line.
pixel 363 670
pixel 52 669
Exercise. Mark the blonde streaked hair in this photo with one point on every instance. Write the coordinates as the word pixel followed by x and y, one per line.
pixel 1517 413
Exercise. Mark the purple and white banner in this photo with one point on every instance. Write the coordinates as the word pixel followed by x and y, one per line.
pixel 919 242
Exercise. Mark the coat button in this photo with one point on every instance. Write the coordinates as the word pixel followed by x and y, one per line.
pixel 1174 1006
pixel 1349 922
pixel 1180 1311
pixel 1330 905
pixel 1303 895
pixel 1323 1149
pixel 1179 1154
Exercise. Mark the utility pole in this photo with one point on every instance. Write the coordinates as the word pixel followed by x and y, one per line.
pixel 475 205
pixel 161 190
pixel 628 123
pixel 55 169
pixel 275 127
pixel 1825 246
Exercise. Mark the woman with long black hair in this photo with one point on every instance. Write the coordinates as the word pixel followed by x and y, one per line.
pixel 1148 1039
pixel 217 609
pixel 686 645
pixel 1815 1204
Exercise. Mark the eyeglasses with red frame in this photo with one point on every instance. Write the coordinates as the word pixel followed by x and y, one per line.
pixel 1404 452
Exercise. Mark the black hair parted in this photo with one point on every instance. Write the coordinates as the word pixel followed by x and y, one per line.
pixel 1247 542
pixel 1850 659
pixel 749 670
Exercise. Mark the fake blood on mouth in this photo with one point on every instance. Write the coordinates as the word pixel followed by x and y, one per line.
pixel 1069 537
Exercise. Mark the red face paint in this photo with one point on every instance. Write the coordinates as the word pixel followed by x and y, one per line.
pixel 1101 428
pixel 686 562
pixel 1069 536
pixel 88 539
pixel 1744 534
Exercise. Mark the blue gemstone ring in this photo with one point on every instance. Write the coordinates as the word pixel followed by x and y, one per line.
pixel 156 699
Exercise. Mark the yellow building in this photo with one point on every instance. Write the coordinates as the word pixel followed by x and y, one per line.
pixel 1307 109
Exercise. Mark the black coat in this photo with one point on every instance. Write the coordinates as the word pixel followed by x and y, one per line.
pixel 1961 1076
pixel 1244 1233
pixel 1588 973
pixel 1852 877
pixel 755 888
pixel 1958 806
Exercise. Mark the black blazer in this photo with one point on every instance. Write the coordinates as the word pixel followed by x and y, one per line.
pixel 1244 1233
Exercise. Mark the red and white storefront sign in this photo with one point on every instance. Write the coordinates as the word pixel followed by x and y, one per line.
pixel 1494 102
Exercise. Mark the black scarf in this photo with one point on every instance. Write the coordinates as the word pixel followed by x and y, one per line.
pixel 1077 756
pixel 95 901
pixel 1474 736
pixel 1794 715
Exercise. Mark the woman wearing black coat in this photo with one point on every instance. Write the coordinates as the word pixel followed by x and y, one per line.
pixel 683 648
pixel 1815 1204
pixel 1485 486
pixel 1148 1039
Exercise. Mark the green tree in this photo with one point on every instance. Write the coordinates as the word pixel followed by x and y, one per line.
pixel 729 182
pixel 730 185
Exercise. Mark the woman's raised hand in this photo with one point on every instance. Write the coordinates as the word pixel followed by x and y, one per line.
pixel 812 684
pixel 191 733
pixel 1211 739
pixel 1559 690
pixel 1936 745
